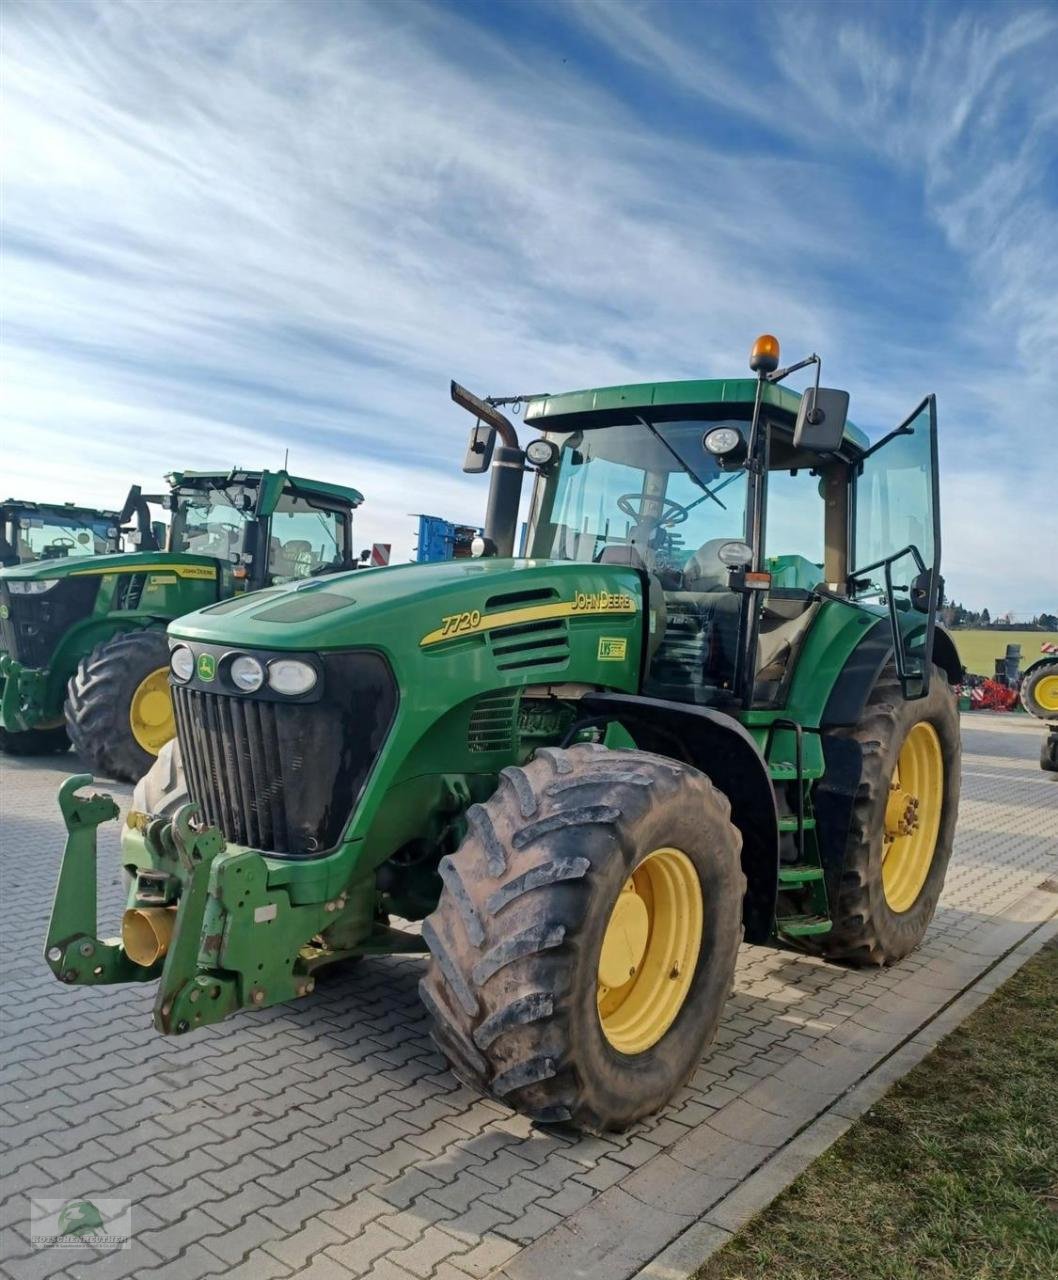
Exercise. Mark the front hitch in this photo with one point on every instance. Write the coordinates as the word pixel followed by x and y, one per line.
pixel 202 918
pixel 74 951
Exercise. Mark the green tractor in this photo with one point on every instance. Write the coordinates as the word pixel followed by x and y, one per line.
pixel 31 531
pixel 1039 697
pixel 83 653
pixel 709 702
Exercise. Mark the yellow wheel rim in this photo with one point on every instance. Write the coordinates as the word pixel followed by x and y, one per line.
pixel 1046 693
pixel 649 951
pixel 151 712
pixel 912 817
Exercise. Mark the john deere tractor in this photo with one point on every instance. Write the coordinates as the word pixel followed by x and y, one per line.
pixel 1039 697
pixel 31 531
pixel 83 653
pixel 710 702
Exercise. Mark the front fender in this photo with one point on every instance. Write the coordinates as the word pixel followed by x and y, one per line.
pixel 727 753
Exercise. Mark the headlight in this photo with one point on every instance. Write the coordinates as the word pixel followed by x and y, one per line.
pixel 182 663
pixel 542 453
pixel 722 440
pixel 247 674
pixel 289 676
pixel 735 554
pixel 31 586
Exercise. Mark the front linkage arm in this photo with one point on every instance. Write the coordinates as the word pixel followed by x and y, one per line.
pixel 74 952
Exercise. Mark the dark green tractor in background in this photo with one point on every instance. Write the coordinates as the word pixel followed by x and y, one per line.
pixel 84 656
pixel 710 701
pixel 31 531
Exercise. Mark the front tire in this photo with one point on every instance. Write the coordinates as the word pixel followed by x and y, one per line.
pixel 119 711
pixel 903 822
pixel 586 864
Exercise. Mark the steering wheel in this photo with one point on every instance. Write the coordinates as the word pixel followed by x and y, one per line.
pixel 62 541
pixel 672 512
pixel 234 530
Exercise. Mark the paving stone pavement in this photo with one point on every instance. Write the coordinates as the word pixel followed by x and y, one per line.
pixel 327 1141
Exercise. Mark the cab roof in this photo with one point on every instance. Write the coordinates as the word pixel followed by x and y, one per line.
pixel 550 411
pixel 340 492
pixel 62 508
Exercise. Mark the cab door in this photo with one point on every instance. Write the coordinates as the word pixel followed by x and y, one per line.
pixel 896 540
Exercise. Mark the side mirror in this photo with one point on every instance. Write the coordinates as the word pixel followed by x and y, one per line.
pixel 921 591
pixel 479 448
pixel 821 420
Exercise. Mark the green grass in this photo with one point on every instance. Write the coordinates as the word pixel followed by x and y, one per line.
pixel 953 1175
pixel 978 649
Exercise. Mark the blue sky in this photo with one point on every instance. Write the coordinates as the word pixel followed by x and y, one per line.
pixel 233 228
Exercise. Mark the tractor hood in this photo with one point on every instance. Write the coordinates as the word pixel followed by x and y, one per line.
pixel 421 606
pixel 181 565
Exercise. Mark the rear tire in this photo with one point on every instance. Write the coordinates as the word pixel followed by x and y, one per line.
pixel 34 742
pixel 517 939
pixel 868 929
pixel 1049 753
pixel 99 703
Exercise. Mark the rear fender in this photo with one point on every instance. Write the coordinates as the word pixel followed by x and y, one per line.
pixel 849 694
pixel 723 750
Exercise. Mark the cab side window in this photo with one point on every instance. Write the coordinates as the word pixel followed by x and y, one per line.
pixel 304 539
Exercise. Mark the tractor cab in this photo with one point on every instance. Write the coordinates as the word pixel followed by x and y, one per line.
pixel 31 531
pixel 743 505
pixel 268 526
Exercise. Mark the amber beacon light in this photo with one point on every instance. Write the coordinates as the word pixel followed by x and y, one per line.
pixel 764 357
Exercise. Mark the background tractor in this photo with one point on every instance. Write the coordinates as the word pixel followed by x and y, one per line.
pixel 85 658
pixel 710 702
pixel 31 531
pixel 1039 697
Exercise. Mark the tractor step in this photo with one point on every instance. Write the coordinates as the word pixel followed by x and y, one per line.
pixel 803 926
pixel 799 873
pixel 788 822
pixel 782 771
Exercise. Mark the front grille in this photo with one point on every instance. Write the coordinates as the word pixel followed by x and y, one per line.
pixel 284 776
pixel 32 626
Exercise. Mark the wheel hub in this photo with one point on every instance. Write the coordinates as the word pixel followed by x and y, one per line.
pixel 912 817
pixel 649 951
pixel 901 812
pixel 626 939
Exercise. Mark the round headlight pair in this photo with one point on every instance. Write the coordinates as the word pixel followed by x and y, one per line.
pixel 288 676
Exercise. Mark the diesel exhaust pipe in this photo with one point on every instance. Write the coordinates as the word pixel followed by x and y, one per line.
pixel 146 933
pixel 507 468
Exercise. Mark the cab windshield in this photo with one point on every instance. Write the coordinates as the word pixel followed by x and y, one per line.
pixel 51 536
pixel 305 539
pixel 212 521
pixel 646 492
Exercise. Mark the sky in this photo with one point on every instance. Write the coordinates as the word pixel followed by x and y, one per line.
pixel 230 229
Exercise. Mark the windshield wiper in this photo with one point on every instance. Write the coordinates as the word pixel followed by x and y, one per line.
pixel 700 483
